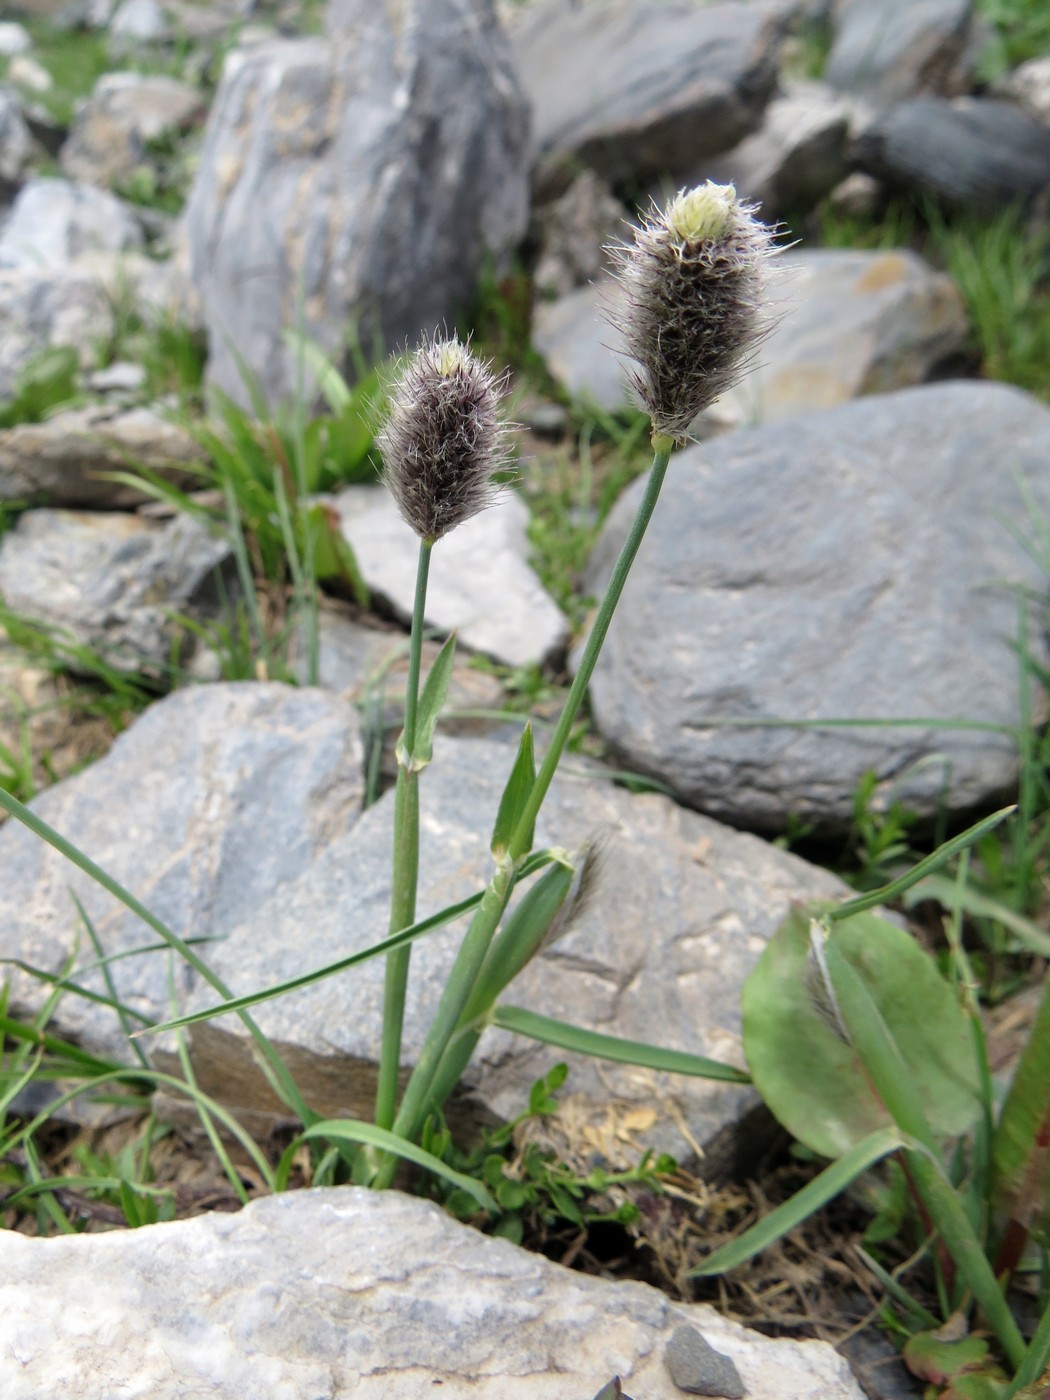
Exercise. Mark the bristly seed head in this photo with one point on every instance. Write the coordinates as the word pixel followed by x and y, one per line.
pixel 693 302
pixel 444 437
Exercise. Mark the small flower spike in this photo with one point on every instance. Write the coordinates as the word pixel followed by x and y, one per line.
pixel 693 309
pixel 443 439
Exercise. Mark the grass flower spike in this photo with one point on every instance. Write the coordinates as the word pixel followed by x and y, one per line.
pixel 693 285
pixel 443 439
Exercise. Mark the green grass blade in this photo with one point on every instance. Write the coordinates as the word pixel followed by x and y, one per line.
pixel 353 1130
pixel 124 1016
pixel 396 940
pixel 611 1047
pixel 981 906
pixel 924 867
pixel 831 1182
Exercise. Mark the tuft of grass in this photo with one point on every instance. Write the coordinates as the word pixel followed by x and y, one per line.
pixel 49 381
pixel 1020 31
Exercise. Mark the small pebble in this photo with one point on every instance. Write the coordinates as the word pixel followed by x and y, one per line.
pixel 698 1369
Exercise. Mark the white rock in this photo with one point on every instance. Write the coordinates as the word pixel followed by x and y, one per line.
pixel 14 39
pixel 52 222
pixel 25 72
pixel 350 1295
pixel 480 582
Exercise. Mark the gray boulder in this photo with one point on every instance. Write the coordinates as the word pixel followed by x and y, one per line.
pixel 796 156
pixel 346 1293
pixel 64 459
pixel 14 139
pixel 974 151
pixel 859 566
pixel 852 323
pixel 53 222
pixel 680 910
pixel 635 90
pixel 48 307
pixel 888 50
pixel 213 799
pixel 113 131
pixel 111 582
pixel 361 179
pixel 573 232
pixel 481 584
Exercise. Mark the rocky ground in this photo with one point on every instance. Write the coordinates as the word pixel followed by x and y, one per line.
pixel 858 534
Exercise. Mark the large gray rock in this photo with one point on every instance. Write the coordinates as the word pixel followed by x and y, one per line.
pixel 111 582
pixel 796 156
pixel 348 1293
pixel 679 913
pixel 481 584
pixel 852 323
pixel 970 151
pixel 53 222
pixel 48 307
pixel 860 565
pixel 891 49
pixel 365 178
pixel 212 800
pixel 64 458
pixel 114 129
pixel 635 90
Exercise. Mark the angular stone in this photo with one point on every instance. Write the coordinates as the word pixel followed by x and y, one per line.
pixel 574 231
pixel 365 179
pixel 111 582
pixel 860 565
pixel 136 22
pixel 111 136
pixel 635 91
pixel 14 139
pixel 346 1292
pixel 481 584
pixel 49 307
pixel 1029 86
pixel 796 156
pixel 680 910
pixel 853 323
pixel 64 458
pixel 892 49
pixel 698 1369
pixel 53 222
pixel 972 151
pixel 209 802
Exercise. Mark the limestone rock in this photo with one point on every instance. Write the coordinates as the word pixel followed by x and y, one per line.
pixel 481 584
pixel 888 50
pixel 348 1293
pixel 14 139
pixel 680 911
pixel 209 802
pixel 49 307
pixel 796 156
pixel 365 178
pixel 111 581
pixel 63 459
pixel 1029 86
pixel 852 323
pixel 859 565
pixel 573 233
pixel 14 39
pixel 972 151
pixel 53 222
pixel 114 128
pixel 634 90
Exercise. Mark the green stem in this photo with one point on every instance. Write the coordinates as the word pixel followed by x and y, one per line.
pixel 419 1094
pixel 519 841
pixel 406 863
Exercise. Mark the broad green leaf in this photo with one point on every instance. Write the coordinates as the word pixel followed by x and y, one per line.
pixel 929 1357
pixel 801 1062
pixel 612 1047
pixel 831 1182
pixel 515 795
pixel 1021 1147
pixel 354 1130
pixel 431 702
